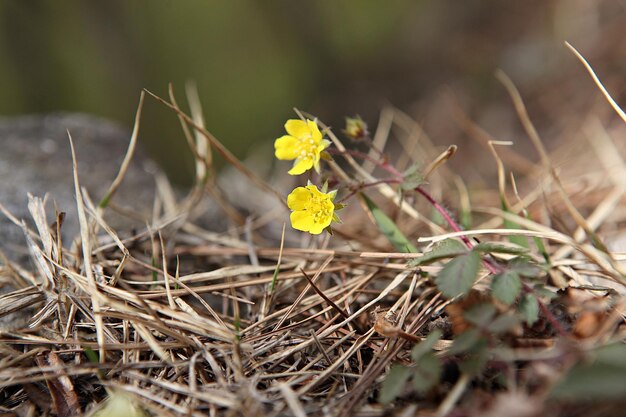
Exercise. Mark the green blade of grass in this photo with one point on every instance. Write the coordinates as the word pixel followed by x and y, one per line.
pixel 388 227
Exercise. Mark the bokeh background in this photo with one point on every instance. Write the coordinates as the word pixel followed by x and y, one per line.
pixel 253 61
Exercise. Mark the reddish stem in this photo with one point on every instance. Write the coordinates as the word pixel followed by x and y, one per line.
pixel 398 178
pixel 490 266
pixel 361 155
pixel 361 187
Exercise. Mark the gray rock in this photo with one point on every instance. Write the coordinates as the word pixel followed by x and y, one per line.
pixel 35 158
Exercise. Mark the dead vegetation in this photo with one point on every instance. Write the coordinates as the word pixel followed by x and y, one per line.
pixel 178 320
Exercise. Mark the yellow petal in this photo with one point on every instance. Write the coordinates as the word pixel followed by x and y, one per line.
pixel 300 166
pixel 286 148
pixel 313 189
pixel 299 198
pixel 317 228
pixel 301 220
pixel 297 128
pixel 316 135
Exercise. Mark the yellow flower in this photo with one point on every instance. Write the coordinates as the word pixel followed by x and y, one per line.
pixel 304 143
pixel 313 210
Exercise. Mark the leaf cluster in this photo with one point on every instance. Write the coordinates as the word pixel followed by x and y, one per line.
pixel 459 274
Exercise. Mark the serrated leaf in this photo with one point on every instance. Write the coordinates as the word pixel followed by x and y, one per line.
pixel 524 267
pixel 389 228
pixel 458 276
pixel 506 286
pixel 426 345
pixel 394 384
pixel 465 342
pixel 426 372
pixel 503 324
pixel 529 309
pixel 412 178
pixel 448 248
pixel 481 314
pixel 494 247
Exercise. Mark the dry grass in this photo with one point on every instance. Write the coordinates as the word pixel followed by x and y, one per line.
pixel 189 322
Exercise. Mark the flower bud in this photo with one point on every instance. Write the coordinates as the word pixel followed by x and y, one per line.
pixel 356 128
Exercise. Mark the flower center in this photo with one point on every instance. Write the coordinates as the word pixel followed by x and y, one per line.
pixel 321 208
pixel 306 147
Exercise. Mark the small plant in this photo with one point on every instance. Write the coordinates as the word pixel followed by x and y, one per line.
pixel 514 296
pixel 498 313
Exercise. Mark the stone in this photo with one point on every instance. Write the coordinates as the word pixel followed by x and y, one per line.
pixel 35 158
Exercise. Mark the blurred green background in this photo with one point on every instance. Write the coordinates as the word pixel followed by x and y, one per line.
pixel 253 61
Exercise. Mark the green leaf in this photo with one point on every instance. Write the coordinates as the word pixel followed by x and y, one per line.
pixel 602 379
pixel 503 324
pixel 529 309
pixel 494 247
pixel 426 345
pixel 515 239
pixel 458 276
pixel 465 217
pixel 448 248
pixel 508 224
pixel 543 292
pixel 92 356
pixel 506 286
pixel 524 267
pixel 394 384
pixel 426 372
pixel 465 342
pixel 389 228
pixel 480 315
pixel 436 217
pixel 412 178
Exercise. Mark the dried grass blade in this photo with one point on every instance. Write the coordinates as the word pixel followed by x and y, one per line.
pixel 230 158
pixel 154 344
pixel 86 245
pixel 385 122
pixel 534 137
pixel 321 294
pixel 608 97
pixel 439 161
pixel 204 165
pixel 38 213
pixel 340 361
pixel 303 293
pixel 292 400
pixel 127 158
